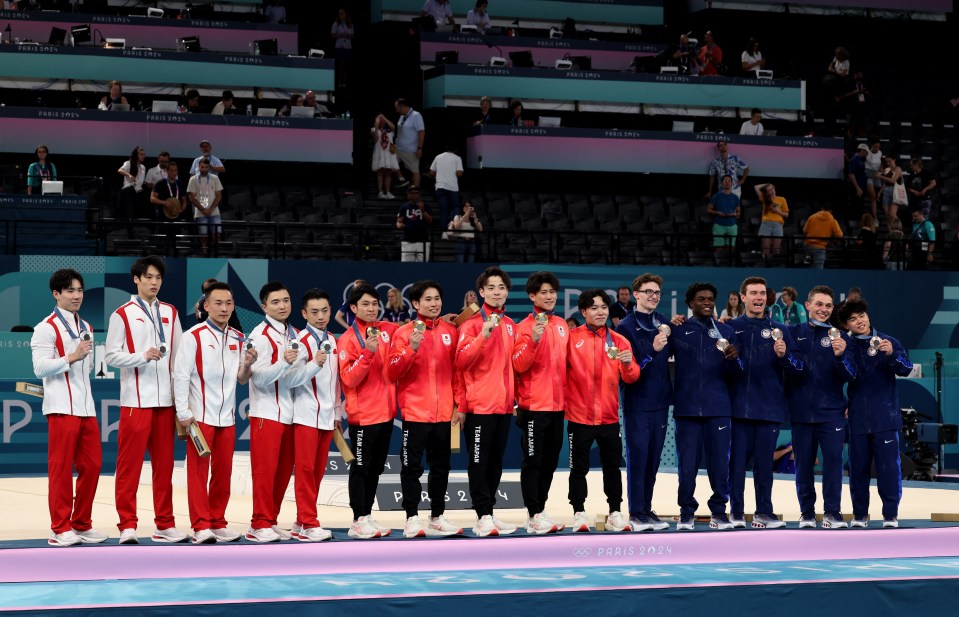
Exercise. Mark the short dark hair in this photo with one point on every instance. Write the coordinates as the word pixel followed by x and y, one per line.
pixel 753 280
pixel 172 164
pixel 62 279
pixel 695 288
pixel 314 294
pixel 821 289
pixel 493 271
pixel 587 296
pixel 271 287
pixel 403 102
pixel 227 95
pixel 216 286
pixel 204 160
pixel 647 277
pixel 359 291
pixel 850 308
pixel 192 93
pixel 140 266
pixel 419 288
pixel 622 287
pixel 163 153
pixel 536 281
pixel 205 283
pixel 755 111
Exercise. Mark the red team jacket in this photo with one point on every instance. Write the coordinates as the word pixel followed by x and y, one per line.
pixel 592 378
pixel 486 365
pixel 370 394
pixel 424 378
pixel 541 367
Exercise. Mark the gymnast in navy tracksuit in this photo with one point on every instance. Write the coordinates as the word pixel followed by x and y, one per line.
pixel 874 420
pixel 702 409
pixel 766 351
pixel 816 409
pixel 645 402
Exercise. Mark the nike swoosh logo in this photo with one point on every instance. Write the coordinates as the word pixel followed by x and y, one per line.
pixel 663 426
pixel 840 428
pixel 722 427
pixel 887 441
pixel 688 332
pixel 801 338
pixel 739 331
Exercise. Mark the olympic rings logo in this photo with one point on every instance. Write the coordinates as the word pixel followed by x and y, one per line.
pixel 581 552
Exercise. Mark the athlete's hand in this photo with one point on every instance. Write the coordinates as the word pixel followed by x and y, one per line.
pixel 82 351
pixel 678 320
pixel 415 339
pixel 625 356
pixel 152 354
pixel 320 358
pixel 731 353
pixel 780 348
pixel 660 341
pixel 373 342
pixel 838 346
pixel 886 347
pixel 487 328
pixel 338 425
pixel 448 318
pixel 538 330
pixel 249 357
pixel 289 356
pixel 185 423
pixel 459 419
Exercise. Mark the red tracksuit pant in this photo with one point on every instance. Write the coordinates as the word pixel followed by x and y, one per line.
pixel 208 479
pixel 145 430
pixel 72 442
pixel 271 457
pixel 312 449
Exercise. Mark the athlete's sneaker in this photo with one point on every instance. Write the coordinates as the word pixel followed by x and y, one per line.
pixel 262 534
pixel 860 522
pixel 580 522
pixel 363 529
pixel 282 533
pixel 807 520
pixel 738 521
pixel 720 522
pixel 890 522
pixel 640 522
pixel 687 522
pixel 503 527
pixel 129 536
pixel 833 520
pixel 559 525
pixel 296 530
pixel 225 535
pixel 658 523
pixel 767 521
pixel 90 536
pixel 171 534
pixel 67 538
pixel 314 534
pixel 204 536
pixel 414 528
pixel 617 522
pixel 383 529
pixel 439 526
pixel 539 524
pixel 485 527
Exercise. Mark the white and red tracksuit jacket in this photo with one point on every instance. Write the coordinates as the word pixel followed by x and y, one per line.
pixel 204 374
pixel 66 387
pixel 271 397
pixel 317 395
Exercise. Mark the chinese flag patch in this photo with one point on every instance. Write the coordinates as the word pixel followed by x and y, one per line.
pixel 166 320
pixel 232 347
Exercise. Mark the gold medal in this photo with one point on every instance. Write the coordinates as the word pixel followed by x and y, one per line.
pixel 612 352
pixel 372 331
pixel 541 318
pixel 495 319
pixel 419 326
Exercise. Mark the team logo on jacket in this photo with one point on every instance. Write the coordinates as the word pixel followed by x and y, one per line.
pixel 384 337
pixel 766 332
pixel 825 342
pixel 714 333
pixel 447 339
pixel 579 343
pixel 561 330
pixel 509 329
pixel 343 355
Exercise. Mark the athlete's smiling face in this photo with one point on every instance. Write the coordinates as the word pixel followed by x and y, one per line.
pixel 277 305
pixel 703 304
pixel 858 323
pixel 819 307
pixel 754 299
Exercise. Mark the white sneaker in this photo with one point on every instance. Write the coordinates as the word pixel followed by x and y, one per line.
pixel 580 522
pixel 90 536
pixel 485 527
pixel 384 531
pixel 890 522
pixel 381 195
pixel 171 534
pixel 314 534
pixel 721 522
pixel 503 527
pixel 129 536
pixel 67 538
pixel 296 530
pixel 658 523
pixel 389 195
pixel 738 521
pixel 204 536
pixel 363 529
pixel 262 534
pixel 617 522
pixel 225 535
pixel 539 525
pixel 439 526
pixel 414 528
pixel 686 522
pixel 559 526
pixel 284 535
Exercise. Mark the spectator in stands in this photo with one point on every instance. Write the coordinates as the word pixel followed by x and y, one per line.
pixel 890 177
pixel 770 300
pixel 463 229
pixel 725 209
pixel 202 315
pixel 169 188
pixel 440 10
pixel 867 242
pixel 752 58
pixel 447 169
pixel 191 104
pixel 40 170
pixel 572 323
pixel 414 219
pixel 775 213
pixel 786 310
pixel 734 307
pixel 873 164
pixel 469 299
pixel 395 310
pixel 477 16
pixel 384 155
pixel 134 172
pixel 206 152
pixel 922 184
pixel 345 315
pixel 114 98
pixel 623 306
pixel 754 125
pixel 516 115
pixel 819 229
pixel 410 136
pixel 922 241
pixel 342 33
pixel 319 109
pixel 858 178
pixel 296 100
pixel 727 164
pixel 205 192
pixel 837 73
pixel 893 249
pixel 684 56
pixel 486 112
pixel 275 12
pixel 225 106
pixel 158 173
pixel 710 57
pixel 854 99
